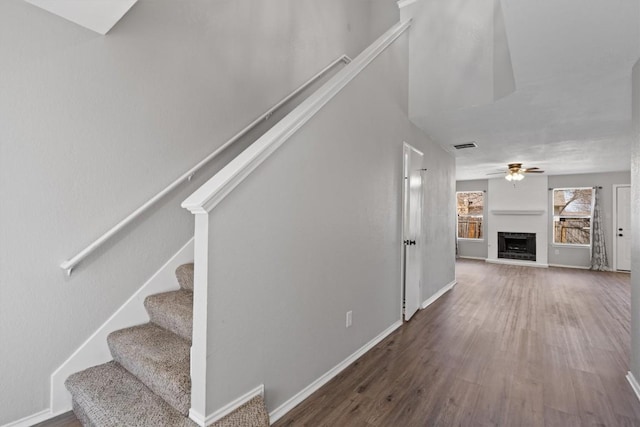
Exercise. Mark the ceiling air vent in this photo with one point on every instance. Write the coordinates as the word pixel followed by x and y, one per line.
pixel 465 145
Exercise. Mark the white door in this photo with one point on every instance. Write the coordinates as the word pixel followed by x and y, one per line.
pixel 412 221
pixel 623 228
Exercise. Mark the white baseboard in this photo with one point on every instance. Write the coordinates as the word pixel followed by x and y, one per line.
pixel 471 257
pixel 280 411
pixel 34 419
pixel 634 384
pixel 226 409
pixel 516 262
pixel 94 351
pixel 446 288
pixel 578 267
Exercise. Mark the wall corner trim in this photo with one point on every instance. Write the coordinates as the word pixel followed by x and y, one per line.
pixel 221 184
pixel 634 384
pixel 228 408
pixel 280 411
pixel 446 288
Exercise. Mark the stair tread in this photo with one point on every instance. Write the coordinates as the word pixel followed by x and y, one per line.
pixel 172 311
pixel 159 358
pixel 110 396
pixel 184 274
pixel 251 414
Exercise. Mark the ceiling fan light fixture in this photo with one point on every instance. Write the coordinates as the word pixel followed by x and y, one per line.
pixel 514 176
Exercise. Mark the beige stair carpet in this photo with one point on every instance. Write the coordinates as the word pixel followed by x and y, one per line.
pixel 148 383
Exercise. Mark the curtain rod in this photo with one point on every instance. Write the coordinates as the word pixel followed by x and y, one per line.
pixel 594 187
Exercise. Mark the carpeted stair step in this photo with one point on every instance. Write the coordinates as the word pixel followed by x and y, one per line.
pixel 110 396
pixel 251 414
pixel 159 358
pixel 172 311
pixel 184 274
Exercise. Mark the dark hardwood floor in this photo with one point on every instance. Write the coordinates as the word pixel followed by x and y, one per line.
pixel 508 346
pixel 64 420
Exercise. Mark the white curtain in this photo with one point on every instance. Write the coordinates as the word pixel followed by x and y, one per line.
pixel 598 248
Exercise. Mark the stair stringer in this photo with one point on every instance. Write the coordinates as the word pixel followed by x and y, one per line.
pixel 95 351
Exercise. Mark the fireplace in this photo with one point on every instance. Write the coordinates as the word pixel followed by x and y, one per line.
pixel 520 246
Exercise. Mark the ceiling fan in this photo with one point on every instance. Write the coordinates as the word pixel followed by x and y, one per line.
pixel 515 172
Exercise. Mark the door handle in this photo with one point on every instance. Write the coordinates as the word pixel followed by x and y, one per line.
pixel 619 229
pixel 409 242
pixel 619 235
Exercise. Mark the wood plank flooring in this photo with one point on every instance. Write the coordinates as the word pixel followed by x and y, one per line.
pixel 508 346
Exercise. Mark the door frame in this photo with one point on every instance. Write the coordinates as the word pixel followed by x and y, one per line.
pixel 403 202
pixel 614 262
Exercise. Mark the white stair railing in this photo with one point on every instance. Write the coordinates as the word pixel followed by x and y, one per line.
pixel 221 184
pixel 69 264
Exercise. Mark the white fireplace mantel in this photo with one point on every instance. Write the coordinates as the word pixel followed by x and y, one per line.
pixel 518 212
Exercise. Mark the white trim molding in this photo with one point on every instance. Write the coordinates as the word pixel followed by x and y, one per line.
pixel 280 411
pixel 405 3
pixel 218 187
pixel 446 288
pixel 31 420
pixel 516 262
pixel 479 258
pixel 226 409
pixel 634 384
pixel 577 267
pixel 95 351
pixel 99 16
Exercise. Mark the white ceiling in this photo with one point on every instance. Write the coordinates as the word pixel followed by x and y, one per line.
pixel 97 15
pixel 570 109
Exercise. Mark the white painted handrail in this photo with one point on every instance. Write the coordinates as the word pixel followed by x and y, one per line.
pixel 72 262
pixel 217 188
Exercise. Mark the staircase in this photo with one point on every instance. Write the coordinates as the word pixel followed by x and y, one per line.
pixel 148 382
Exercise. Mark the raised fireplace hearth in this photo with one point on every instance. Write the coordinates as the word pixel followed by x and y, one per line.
pixel 520 246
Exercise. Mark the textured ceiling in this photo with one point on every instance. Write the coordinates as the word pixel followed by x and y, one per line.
pixel 569 110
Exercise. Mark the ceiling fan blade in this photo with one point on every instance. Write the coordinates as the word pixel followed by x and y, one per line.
pixel 497 173
pixel 530 171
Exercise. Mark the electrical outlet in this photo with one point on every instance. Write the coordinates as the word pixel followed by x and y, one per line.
pixel 349 318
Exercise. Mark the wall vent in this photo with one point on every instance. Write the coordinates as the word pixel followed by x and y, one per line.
pixel 465 145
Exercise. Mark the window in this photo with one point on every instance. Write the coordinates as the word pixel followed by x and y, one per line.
pixel 572 209
pixel 470 212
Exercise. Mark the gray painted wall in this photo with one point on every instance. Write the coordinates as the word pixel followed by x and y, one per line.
pixel 635 226
pixel 581 256
pixel 93 126
pixel 468 247
pixel 323 221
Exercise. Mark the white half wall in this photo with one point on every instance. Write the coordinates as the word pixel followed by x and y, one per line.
pixel 313 232
pixel 528 195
